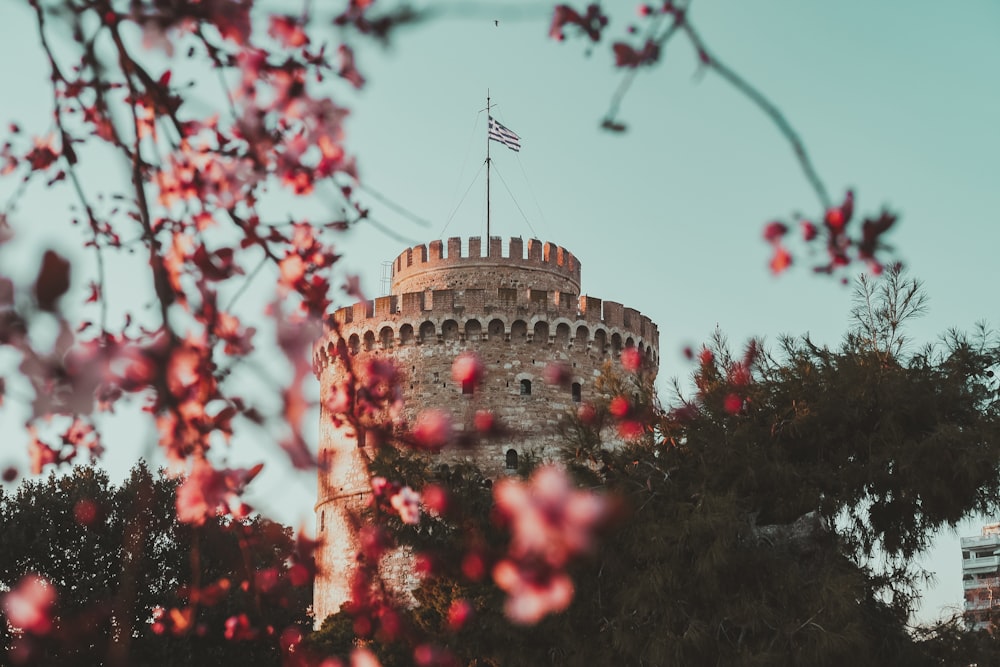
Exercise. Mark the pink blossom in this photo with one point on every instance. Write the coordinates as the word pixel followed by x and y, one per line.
pixel 433 429
pixel 629 429
pixel 809 230
pixel 406 502
pixel 287 30
pixel 549 519
pixel 556 373
pixel 631 359
pixel 781 259
pixel 339 400
pixel 467 369
pixel 362 657
pixel 293 269
pixel 774 231
pixel 591 23
pixel 29 606
pixel 238 628
pixel 379 484
pixel 435 498
pixel 627 56
pixel 352 287
pixel 459 613
pixel 206 490
pixel 619 407
pixel 530 599
pixel 41 454
pixel 348 69
pixel 485 422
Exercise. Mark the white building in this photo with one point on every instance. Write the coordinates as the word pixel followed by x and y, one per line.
pixel 981 575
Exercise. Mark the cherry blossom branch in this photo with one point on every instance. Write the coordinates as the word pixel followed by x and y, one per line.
pixel 70 159
pixel 767 106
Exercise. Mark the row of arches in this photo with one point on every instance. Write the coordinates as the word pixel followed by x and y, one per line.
pixel 575 336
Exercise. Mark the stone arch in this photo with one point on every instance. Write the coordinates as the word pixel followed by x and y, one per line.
pixel 582 336
pixel 541 332
pixel 562 333
pixel 428 333
pixel 629 342
pixel 406 334
pixel 519 331
pixel 473 331
pixel 600 341
pixel 496 329
pixel 385 336
pixel 449 330
pixel 510 459
pixel 369 340
pixel 616 343
pixel 354 344
pixel 577 392
pixel 525 387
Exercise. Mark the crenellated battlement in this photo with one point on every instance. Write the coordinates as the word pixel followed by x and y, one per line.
pixel 481 302
pixel 509 315
pixel 444 265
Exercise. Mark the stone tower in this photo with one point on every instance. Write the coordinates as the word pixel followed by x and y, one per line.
pixel 518 312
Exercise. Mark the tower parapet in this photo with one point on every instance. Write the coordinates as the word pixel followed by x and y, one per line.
pixel 546 266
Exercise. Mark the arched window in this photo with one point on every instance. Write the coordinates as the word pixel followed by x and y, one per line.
pixel 518 331
pixel 449 330
pixel 428 333
pixel 511 459
pixel 576 392
pixel 473 330
pixel 385 337
pixel 541 333
pixel 525 387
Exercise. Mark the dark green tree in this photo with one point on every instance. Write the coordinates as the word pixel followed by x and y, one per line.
pixel 772 517
pixel 117 554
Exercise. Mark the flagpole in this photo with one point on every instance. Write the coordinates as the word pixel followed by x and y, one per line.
pixel 488 172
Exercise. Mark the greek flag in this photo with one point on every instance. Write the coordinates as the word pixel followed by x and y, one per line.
pixel 498 132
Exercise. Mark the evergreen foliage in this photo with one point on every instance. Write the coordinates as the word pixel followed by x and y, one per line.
pixel 778 527
pixel 114 553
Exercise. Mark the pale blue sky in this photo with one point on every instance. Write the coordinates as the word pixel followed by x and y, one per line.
pixel 898 100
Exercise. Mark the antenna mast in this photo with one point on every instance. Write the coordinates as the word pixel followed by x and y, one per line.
pixel 487 172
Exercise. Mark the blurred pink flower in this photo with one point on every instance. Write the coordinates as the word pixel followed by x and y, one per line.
pixel 549 519
pixel 406 502
pixel 206 490
pixel 29 606
pixel 467 369
pixel 362 657
pixel 631 359
pixel 433 429
pixel 529 599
